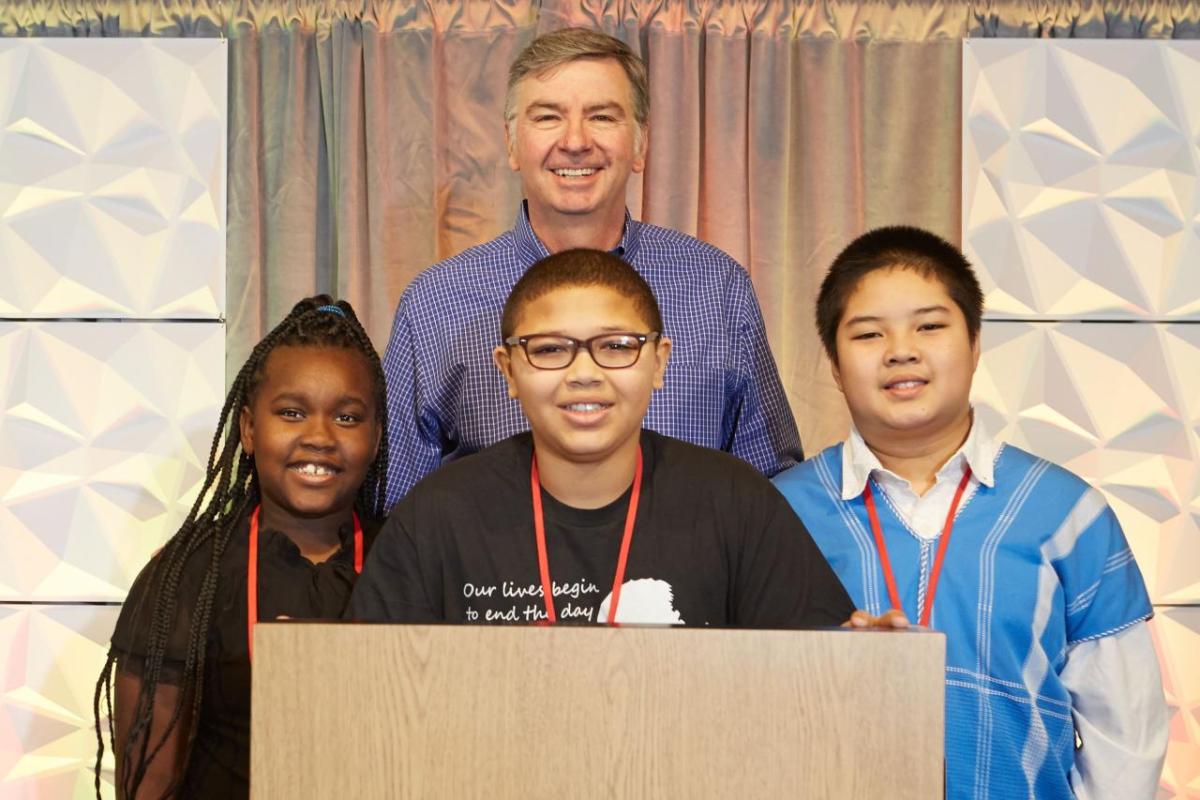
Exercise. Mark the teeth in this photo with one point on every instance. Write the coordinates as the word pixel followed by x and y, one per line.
pixel 313 469
pixel 578 172
pixel 907 384
pixel 585 407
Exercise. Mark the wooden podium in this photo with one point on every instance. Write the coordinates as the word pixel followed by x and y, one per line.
pixel 388 711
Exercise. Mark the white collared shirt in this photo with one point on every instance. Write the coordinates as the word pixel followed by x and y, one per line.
pixel 1116 689
pixel 924 514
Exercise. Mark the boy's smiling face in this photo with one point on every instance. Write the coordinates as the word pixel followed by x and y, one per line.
pixel 583 413
pixel 905 358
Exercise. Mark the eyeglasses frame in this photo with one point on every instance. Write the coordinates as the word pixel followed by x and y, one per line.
pixel 523 343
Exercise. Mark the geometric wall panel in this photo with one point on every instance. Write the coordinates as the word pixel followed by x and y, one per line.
pixel 1081 177
pixel 50 657
pixel 112 178
pixel 1119 405
pixel 1177 636
pixel 104 437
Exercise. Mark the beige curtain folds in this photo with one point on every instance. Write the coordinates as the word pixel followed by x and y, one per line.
pixel 366 140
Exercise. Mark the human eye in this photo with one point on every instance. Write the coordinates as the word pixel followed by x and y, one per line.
pixel 931 326
pixel 863 336
pixel 348 418
pixel 620 344
pixel 290 413
pixel 547 347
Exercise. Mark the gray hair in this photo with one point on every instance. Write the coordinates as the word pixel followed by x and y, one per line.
pixel 574 44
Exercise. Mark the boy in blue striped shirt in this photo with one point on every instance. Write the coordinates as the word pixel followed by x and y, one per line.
pixel 1052 685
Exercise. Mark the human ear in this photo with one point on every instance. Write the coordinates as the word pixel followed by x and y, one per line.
pixel 378 439
pixel 837 375
pixel 503 361
pixel 642 140
pixel 510 144
pixel 976 348
pixel 246 430
pixel 662 353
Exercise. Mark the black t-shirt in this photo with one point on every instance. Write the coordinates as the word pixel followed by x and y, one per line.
pixel 714 544
pixel 288 585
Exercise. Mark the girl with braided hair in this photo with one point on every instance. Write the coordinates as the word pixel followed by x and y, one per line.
pixel 291 501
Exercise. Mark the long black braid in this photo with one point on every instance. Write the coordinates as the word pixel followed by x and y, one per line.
pixel 229 493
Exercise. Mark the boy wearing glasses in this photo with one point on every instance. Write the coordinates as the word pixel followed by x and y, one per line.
pixel 587 517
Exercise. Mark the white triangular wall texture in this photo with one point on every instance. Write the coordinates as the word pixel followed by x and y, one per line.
pixel 1081 213
pixel 112 350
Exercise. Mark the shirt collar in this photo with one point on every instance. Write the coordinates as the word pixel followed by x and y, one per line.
pixel 530 248
pixel 978 452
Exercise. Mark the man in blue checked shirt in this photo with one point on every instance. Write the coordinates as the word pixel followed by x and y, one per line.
pixel 576 113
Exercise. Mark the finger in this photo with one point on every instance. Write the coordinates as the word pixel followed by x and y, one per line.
pixel 859 619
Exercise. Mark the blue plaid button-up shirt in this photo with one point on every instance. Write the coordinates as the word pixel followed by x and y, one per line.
pixel 447 399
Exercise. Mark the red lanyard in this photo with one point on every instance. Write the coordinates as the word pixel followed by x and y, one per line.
pixel 869 499
pixel 539 528
pixel 252 573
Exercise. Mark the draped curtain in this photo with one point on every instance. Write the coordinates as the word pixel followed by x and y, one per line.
pixel 366 142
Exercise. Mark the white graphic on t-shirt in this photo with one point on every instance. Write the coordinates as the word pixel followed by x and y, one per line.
pixel 645 601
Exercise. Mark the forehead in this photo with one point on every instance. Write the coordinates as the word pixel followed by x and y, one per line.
pixel 303 368
pixel 897 290
pixel 572 308
pixel 584 80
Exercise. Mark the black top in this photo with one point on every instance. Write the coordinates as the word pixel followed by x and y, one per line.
pixel 714 544
pixel 288 585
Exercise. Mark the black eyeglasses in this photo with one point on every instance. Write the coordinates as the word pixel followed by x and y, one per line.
pixel 609 350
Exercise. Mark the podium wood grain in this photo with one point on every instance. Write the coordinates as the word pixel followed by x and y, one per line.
pixel 382 711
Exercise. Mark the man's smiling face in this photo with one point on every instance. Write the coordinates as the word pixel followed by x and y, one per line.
pixel 575 142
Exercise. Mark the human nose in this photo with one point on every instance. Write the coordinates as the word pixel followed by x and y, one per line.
pixel 901 350
pixel 575 137
pixel 318 432
pixel 584 370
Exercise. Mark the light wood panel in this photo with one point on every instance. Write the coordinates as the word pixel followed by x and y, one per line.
pixel 379 711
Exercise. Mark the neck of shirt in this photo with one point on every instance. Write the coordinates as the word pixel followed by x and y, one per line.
pixel 925 513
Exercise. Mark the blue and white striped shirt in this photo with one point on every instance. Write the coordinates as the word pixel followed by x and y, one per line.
pixel 447 399
pixel 1038 566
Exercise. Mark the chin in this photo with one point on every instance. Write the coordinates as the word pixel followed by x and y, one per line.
pixel 313 509
pixel 583 451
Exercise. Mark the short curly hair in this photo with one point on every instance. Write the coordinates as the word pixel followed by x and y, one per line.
pixel 580 267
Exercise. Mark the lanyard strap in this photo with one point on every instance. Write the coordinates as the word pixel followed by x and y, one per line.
pixel 252 574
pixel 888 576
pixel 539 529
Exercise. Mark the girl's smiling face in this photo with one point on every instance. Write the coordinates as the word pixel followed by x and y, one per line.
pixel 313 430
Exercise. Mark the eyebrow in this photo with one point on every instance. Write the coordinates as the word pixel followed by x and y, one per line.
pixel 538 104
pixel 603 330
pixel 918 312
pixel 861 319
pixel 296 397
pixel 611 105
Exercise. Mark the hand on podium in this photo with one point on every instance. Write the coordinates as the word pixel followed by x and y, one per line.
pixel 892 619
